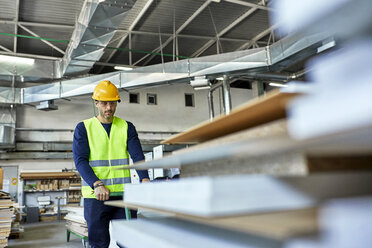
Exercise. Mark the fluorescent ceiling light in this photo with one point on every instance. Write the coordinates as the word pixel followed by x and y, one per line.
pixel 278 85
pixel 326 46
pixel 219 78
pixel 17 60
pixel 123 68
pixel 199 82
pixel 202 88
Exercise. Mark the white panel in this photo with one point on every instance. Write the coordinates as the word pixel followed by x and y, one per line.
pixel 158 154
pixel 223 195
pixel 170 233
pixel 148 157
pixel 341 99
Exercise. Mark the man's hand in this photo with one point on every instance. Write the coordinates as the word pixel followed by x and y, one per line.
pixel 102 193
pixel 145 180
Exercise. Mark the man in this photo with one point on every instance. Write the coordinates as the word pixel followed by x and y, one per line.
pixel 100 145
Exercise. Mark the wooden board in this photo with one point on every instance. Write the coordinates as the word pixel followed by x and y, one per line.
pixel 288 163
pixel 272 162
pixel 271 129
pixel 279 225
pixel 171 233
pixel 259 111
pixel 47 175
pixel 1 177
pixel 222 196
pixel 6 203
pixel 345 150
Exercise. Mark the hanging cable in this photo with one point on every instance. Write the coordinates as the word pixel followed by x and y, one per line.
pixel 174 31
pixel 161 44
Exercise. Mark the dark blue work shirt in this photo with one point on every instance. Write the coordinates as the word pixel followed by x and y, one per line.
pixel 81 151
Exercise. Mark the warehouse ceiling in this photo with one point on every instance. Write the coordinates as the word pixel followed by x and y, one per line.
pixel 151 32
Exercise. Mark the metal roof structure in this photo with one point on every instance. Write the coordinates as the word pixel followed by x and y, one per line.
pixel 150 32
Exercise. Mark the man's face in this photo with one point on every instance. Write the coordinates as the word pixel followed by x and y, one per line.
pixel 106 109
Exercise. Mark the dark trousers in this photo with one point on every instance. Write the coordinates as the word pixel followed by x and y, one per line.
pixel 98 217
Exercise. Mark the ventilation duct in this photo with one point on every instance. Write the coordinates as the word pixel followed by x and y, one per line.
pixel 39 68
pixel 248 62
pixel 10 95
pixel 7 136
pixel 95 27
pixel 47 106
pixel 7 126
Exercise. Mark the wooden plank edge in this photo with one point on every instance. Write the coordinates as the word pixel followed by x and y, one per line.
pixel 277 224
pixel 274 104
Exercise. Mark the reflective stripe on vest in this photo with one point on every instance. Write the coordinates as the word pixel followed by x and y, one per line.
pixel 107 154
pixel 100 163
pixel 106 182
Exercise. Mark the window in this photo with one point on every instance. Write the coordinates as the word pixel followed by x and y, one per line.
pixel 151 99
pixel 133 97
pixel 189 100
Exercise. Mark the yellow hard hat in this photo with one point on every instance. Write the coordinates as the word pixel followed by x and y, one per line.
pixel 106 91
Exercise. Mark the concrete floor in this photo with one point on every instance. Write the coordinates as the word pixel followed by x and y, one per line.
pixel 45 235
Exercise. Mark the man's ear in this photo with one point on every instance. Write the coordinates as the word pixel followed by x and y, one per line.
pixel 96 103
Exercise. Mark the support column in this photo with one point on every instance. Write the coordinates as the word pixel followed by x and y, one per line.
pixel 130 48
pixel 226 95
pixel 210 105
pixel 257 89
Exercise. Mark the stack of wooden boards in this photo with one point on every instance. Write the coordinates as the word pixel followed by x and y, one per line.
pixel 217 188
pixel 257 134
pixel 75 221
pixel 6 214
pixel 17 228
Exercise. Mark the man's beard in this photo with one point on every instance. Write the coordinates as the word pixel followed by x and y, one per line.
pixel 107 114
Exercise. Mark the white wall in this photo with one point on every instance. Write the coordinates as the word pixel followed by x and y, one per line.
pixel 39 164
pixel 170 114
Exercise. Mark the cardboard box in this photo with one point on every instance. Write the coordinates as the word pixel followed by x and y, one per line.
pixel 55 184
pixel 64 184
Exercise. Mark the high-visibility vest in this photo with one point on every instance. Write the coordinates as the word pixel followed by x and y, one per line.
pixel 106 154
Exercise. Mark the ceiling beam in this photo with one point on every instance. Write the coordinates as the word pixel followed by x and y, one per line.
pixel 131 27
pixel 201 50
pixel 252 5
pixel 185 36
pixel 62 26
pixel 45 41
pixel 182 27
pixel 248 44
pixel 35 56
pixel 37 24
pixel 6 49
pixel 16 26
pixel 27 55
pixel 271 38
